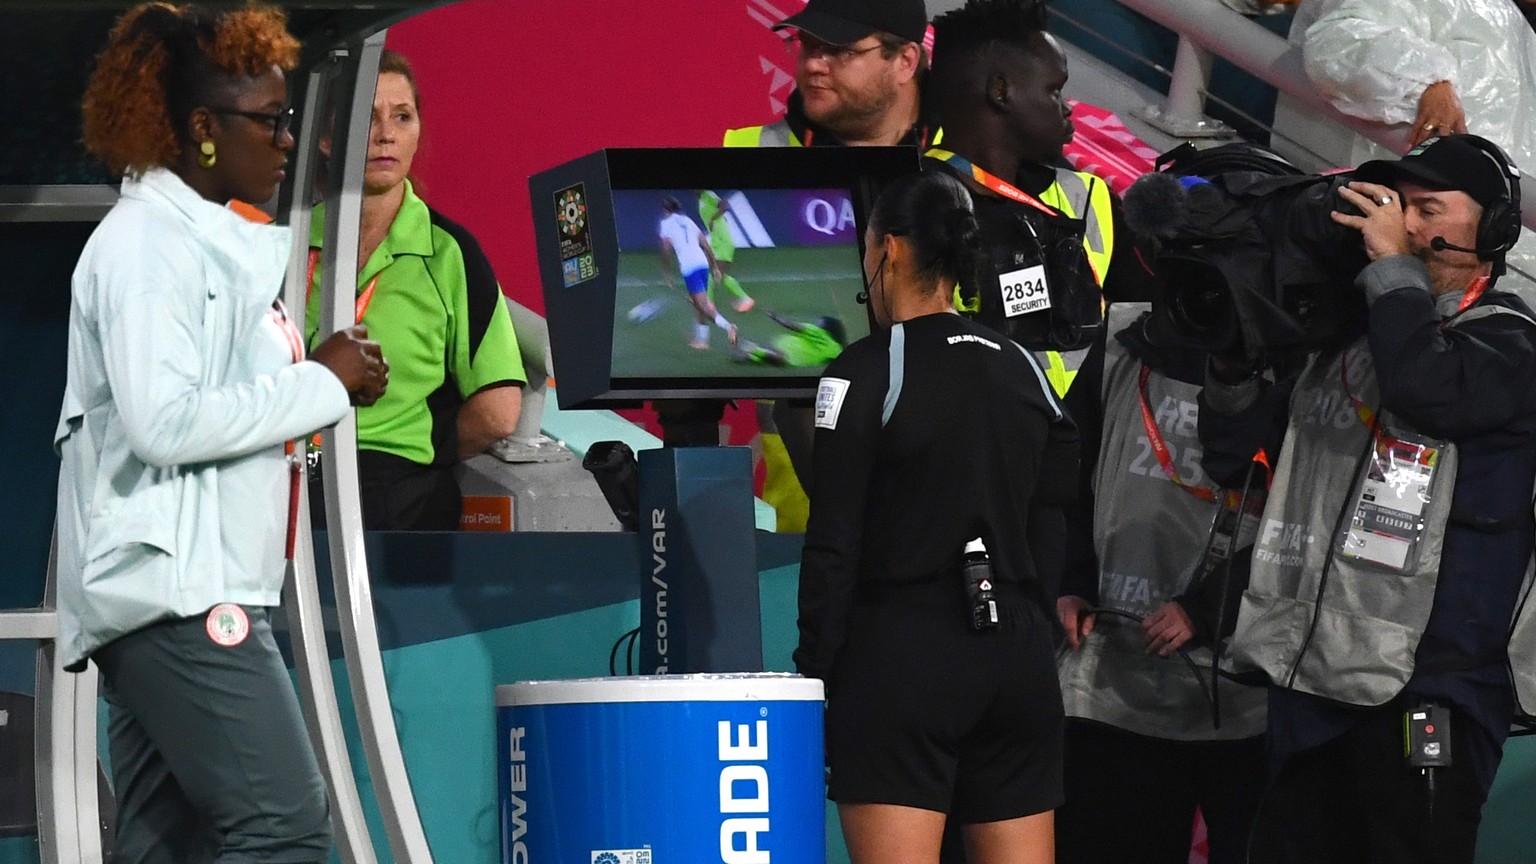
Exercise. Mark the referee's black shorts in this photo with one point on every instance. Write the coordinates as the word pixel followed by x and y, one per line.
pixel 923 711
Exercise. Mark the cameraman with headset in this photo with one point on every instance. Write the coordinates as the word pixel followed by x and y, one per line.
pixel 1393 548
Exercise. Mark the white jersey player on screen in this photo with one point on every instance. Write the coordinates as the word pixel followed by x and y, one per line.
pixel 685 250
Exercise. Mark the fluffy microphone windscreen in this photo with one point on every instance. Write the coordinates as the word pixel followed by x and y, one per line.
pixel 1156 206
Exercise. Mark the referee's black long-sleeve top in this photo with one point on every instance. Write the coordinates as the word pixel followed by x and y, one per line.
pixel 928 435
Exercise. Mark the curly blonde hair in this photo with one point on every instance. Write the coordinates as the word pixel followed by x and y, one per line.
pixel 161 62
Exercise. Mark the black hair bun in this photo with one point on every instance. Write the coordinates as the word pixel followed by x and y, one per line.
pixel 961 231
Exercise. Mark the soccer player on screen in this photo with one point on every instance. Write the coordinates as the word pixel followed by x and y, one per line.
pixel 685 250
pixel 807 344
pixel 712 210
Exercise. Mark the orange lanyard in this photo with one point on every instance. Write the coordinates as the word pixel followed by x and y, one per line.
pixel 1165 458
pixel 1421 454
pixel 1362 410
pixel 996 184
pixel 290 449
pixel 359 306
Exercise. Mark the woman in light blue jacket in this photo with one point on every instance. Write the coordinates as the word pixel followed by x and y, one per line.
pixel 185 380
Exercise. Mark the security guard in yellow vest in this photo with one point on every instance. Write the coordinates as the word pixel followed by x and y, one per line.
pixel 1052 256
pixel 1051 231
pixel 855 56
pixel 1067 231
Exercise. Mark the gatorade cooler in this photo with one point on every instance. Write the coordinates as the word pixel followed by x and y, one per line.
pixel 665 769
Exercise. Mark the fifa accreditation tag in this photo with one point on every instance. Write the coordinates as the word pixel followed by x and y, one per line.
pixel 1388 518
pixel 227 625
pixel 1024 291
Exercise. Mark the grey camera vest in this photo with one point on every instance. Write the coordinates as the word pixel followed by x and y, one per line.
pixel 1149 535
pixel 1522 650
pixel 1368 618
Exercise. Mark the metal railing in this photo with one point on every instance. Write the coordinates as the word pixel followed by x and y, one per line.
pixel 64 746
pixel 353 110
pixel 1207 27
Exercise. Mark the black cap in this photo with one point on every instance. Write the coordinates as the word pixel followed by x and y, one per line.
pixel 1448 162
pixel 842 22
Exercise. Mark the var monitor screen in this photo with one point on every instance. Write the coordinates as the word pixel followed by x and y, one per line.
pixel 734 283
pixel 704 273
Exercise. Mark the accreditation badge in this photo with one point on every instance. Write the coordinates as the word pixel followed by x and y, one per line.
pixel 1387 522
pixel 227 625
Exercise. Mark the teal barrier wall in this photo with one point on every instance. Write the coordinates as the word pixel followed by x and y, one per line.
pixel 458 614
pixel 442 690
pixel 443 695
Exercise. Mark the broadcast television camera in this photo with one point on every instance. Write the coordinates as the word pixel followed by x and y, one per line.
pixel 1248 259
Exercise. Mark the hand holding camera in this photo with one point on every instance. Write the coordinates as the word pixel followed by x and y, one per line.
pixel 1380 219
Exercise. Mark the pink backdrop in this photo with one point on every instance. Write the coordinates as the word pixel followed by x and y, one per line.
pixel 512 87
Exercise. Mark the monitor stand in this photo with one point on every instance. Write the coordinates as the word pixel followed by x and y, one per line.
pixel 699 602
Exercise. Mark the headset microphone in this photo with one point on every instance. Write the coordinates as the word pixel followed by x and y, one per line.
pixel 1499 226
pixel 1440 244
pixel 862 298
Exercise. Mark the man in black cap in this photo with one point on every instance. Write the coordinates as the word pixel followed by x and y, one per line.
pixel 857 77
pixel 858 74
pixel 1448 185
pixel 1393 548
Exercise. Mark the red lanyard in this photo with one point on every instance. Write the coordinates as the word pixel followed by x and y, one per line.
pixel 290 449
pixel 996 184
pixel 1159 446
pixel 1473 294
pixel 1165 458
pixel 1362 410
pixel 359 306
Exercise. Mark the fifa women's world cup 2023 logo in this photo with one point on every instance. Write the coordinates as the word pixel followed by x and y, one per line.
pixel 576 262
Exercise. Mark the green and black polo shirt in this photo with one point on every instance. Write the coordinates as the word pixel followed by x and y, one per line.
pixel 438 313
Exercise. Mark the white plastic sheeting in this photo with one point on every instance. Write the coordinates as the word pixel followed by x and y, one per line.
pixel 1372 59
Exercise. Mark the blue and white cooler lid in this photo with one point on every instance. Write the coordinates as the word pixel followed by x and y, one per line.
pixel 709 687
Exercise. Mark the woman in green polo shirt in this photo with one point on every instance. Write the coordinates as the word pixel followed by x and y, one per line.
pixel 428 295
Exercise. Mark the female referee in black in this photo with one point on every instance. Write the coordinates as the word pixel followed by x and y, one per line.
pixel 931 433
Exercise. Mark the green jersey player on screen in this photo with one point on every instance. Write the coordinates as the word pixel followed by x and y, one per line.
pixel 712 212
pixel 806 344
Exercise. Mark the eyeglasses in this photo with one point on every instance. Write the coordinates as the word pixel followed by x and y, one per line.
pixel 280 122
pixel 835 55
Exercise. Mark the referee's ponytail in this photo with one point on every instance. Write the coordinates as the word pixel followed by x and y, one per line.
pixel 933 211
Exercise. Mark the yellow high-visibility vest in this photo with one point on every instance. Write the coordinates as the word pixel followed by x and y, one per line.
pixel 1074 193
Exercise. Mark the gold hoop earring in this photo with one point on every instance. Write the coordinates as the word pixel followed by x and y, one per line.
pixel 206 157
